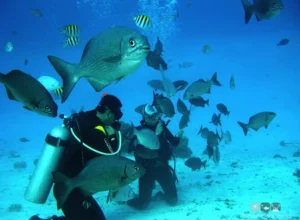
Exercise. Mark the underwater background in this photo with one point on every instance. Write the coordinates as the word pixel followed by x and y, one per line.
pixel 258 167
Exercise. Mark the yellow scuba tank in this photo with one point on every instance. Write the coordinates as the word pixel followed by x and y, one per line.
pixel 41 181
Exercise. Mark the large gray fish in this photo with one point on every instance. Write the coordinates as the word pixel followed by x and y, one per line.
pixel 200 87
pixel 24 88
pixel 100 174
pixel 257 121
pixel 163 105
pixel 184 121
pixel 168 85
pixel 263 9
pixel 109 57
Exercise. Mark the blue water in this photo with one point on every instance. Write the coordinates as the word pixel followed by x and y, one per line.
pixel 267 78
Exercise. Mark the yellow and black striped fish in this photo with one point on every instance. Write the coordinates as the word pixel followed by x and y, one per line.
pixel 72 41
pixel 142 21
pixel 57 93
pixel 71 30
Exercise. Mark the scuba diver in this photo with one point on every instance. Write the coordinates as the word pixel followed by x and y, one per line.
pixel 157 168
pixel 92 134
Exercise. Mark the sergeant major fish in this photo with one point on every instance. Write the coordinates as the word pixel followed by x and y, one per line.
pixel 263 9
pixel 109 57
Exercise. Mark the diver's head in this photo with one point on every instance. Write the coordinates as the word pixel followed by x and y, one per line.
pixel 109 109
pixel 150 115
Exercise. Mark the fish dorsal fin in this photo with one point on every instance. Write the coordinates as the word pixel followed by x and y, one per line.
pixel 201 80
pixel 10 95
pixel 87 47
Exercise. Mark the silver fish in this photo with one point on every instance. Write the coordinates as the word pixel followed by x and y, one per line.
pixel 257 121
pixel 109 57
pixel 100 174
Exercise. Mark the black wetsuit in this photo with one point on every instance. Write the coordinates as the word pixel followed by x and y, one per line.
pixel 157 169
pixel 73 208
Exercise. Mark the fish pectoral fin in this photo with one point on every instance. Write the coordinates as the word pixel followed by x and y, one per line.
pixel 111 195
pixel 96 84
pixel 25 107
pixel 10 95
pixel 113 59
pixel 118 80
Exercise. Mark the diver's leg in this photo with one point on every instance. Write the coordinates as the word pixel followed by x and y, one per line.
pixel 78 207
pixel 166 179
pixel 146 184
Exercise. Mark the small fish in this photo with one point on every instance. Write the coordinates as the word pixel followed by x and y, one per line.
pixel 156 61
pixel 9 47
pixel 168 85
pixel 184 120
pixel 57 93
pixel 163 105
pixel 283 42
pixel 226 137
pixel 25 62
pixel 262 119
pixel 195 163
pixel 181 107
pixel 216 119
pixel 263 9
pixel 206 49
pixel 71 30
pixel 232 83
pixel 201 87
pixel 180 85
pixel 223 109
pixel 185 65
pixel 37 12
pixel 72 42
pixel 203 132
pixel 199 102
pixel 24 140
pixel 143 21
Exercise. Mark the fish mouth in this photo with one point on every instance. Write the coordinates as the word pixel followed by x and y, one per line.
pixel 146 48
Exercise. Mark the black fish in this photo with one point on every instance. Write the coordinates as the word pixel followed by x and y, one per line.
pixel 216 119
pixel 23 139
pixel 181 107
pixel 158 47
pixel 180 84
pixel 199 102
pixel 223 109
pixel 283 42
pixel 195 163
pixel 185 119
pixel 203 132
pixel 155 61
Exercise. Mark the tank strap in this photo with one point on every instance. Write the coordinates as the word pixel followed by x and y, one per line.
pixel 54 141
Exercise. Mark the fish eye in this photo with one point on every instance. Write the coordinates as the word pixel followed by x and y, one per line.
pixel 132 43
pixel 136 168
pixel 47 108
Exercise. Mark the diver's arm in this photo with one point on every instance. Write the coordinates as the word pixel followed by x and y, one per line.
pixel 171 138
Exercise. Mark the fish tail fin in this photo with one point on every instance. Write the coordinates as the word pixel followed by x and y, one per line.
pixel 2 77
pixel 64 188
pixel 245 127
pixel 248 10
pixel 200 130
pixel 67 73
pixel 207 102
pixel 214 80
